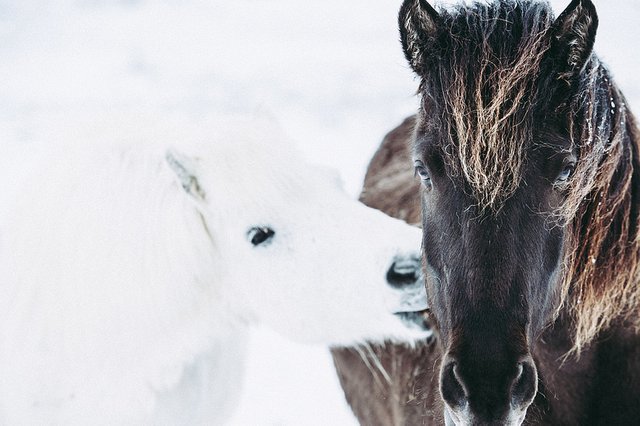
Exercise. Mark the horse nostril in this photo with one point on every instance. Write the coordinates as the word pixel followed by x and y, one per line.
pixel 525 384
pixel 487 392
pixel 451 386
pixel 403 272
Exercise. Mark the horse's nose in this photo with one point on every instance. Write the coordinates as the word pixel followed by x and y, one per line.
pixel 476 398
pixel 404 271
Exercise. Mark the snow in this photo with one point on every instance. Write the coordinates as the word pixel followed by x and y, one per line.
pixel 332 72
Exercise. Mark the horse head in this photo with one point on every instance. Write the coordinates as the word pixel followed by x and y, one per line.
pixel 526 165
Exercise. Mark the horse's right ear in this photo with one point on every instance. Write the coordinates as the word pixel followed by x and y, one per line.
pixel 185 170
pixel 419 28
pixel 574 33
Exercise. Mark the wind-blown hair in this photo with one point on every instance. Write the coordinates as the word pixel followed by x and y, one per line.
pixel 490 79
pixel 487 79
pixel 601 281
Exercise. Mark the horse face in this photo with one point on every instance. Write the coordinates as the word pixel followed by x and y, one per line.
pixel 495 160
pixel 492 281
pixel 296 253
pixel 309 265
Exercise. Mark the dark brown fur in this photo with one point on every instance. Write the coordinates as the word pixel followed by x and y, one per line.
pixel 602 387
pixel 529 161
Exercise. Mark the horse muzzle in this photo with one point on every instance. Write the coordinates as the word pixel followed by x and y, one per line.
pixel 405 276
pixel 470 401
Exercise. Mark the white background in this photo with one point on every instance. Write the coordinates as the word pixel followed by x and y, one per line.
pixel 330 71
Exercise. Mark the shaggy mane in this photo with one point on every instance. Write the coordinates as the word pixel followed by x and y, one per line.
pixel 490 73
pixel 601 284
pixel 487 74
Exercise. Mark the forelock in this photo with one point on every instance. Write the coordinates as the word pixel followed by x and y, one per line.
pixel 485 80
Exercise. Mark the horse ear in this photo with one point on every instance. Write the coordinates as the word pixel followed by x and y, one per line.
pixel 185 171
pixel 574 33
pixel 419 28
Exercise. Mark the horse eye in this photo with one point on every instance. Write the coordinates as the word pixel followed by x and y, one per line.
pixel 260 235
pixel 421 170
pixel 566 173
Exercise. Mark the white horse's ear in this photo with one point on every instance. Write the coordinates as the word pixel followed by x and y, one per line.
pixel 185 170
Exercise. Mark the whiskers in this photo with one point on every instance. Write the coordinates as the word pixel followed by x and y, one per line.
pixel 373 363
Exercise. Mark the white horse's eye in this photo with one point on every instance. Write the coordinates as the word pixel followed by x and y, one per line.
pixel 260 235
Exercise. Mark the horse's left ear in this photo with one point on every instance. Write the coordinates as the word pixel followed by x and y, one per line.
pixel 574 33
pixel 185 170
pixel 419 28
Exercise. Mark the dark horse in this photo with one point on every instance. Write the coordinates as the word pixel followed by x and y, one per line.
pixel 529 168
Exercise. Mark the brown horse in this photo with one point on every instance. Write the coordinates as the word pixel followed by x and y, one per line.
pixel 529 169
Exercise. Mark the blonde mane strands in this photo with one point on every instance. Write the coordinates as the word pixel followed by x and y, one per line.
pixel 490 92
pixel 489 103
pixel 601 283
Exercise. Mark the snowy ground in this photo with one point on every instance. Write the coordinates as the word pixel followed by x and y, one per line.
pixel 330 71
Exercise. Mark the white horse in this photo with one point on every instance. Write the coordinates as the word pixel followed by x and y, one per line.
pixel 129 273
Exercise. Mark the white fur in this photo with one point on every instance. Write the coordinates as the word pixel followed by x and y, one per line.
pixel 125 294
